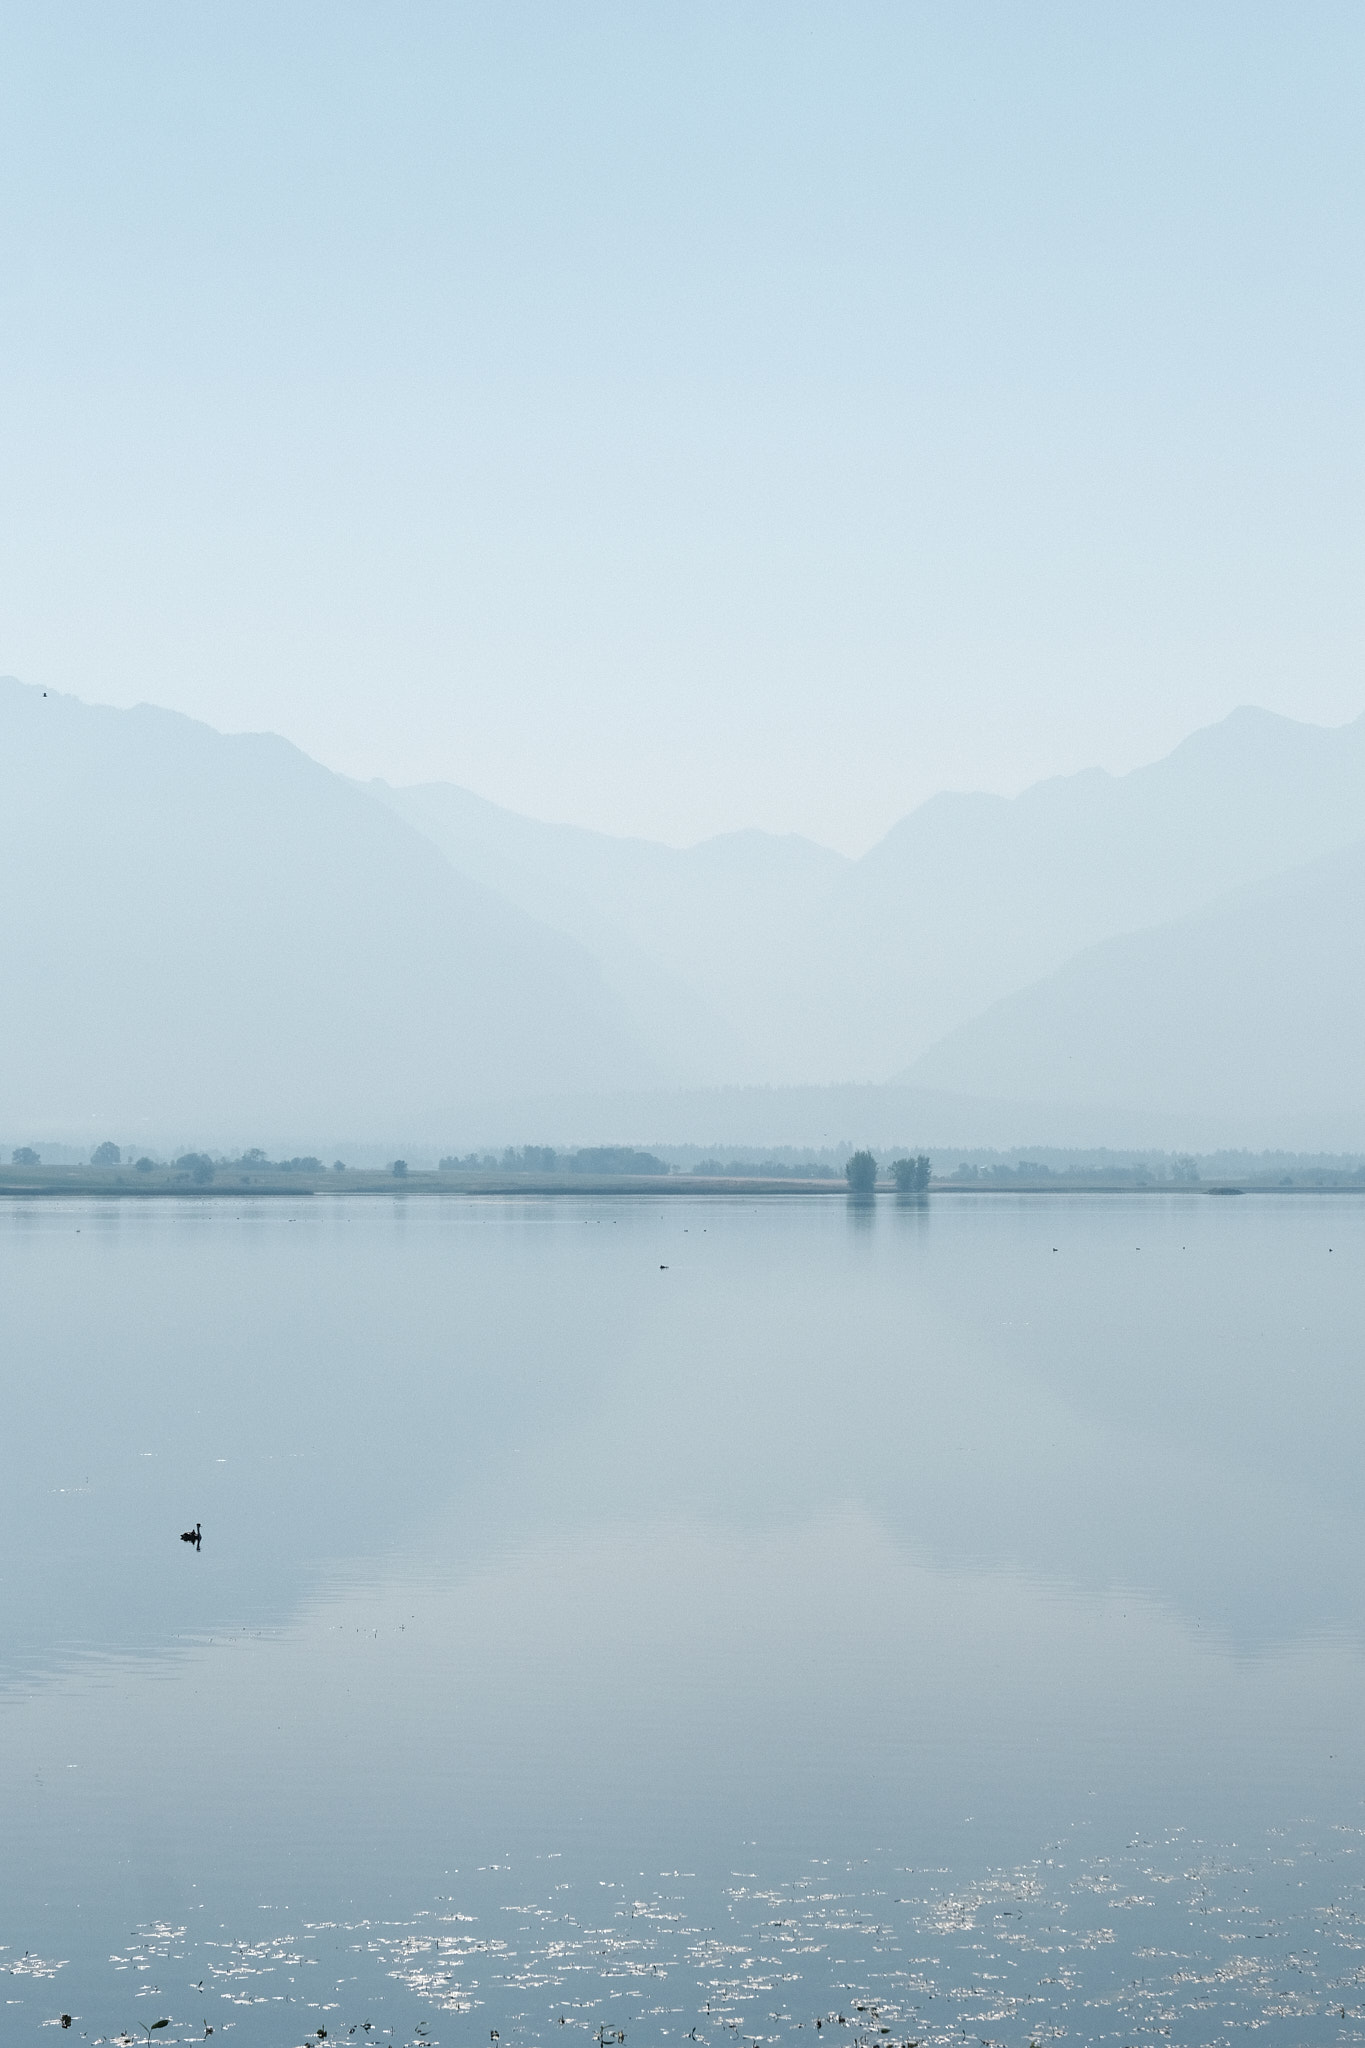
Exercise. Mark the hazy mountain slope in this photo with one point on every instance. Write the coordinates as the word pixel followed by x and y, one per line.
pixel 971 897
pixel 216 936
pixel 694 942
pixel 752 957
pixel 1251 1012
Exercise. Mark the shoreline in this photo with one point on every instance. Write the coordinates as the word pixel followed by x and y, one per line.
pixel 58 1183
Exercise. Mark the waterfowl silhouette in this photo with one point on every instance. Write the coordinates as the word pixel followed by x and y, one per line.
pixel 191 1536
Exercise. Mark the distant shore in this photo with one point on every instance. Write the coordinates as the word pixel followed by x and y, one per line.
pixel 126 1183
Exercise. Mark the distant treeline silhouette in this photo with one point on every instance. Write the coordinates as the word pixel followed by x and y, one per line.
pixel 604 1160
pixel 762 1169
pixel 910 1173
pixel 545 1159
pixel 201 1168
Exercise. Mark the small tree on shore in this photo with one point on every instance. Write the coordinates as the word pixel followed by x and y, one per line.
pixel 106 1155
pixel 911 1175
pixel 861 1173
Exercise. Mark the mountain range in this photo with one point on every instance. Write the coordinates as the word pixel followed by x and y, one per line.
pixel 210 934
pixel 216 936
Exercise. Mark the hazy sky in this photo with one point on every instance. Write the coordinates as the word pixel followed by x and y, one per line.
pixel 679 416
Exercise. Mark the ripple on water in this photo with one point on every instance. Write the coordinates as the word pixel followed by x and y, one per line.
pixel 1168 1941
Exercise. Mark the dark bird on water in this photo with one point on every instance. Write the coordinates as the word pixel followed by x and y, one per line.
pixel 191 1536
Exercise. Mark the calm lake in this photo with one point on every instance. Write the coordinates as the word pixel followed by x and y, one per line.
pixel 687 1619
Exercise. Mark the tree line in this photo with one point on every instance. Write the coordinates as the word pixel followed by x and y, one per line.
pixel 911 1175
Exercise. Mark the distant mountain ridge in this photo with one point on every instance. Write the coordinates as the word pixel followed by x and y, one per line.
pixel 693 942
pixel 973 897
pixel 1249 1013
pixel 219 937
pixel 797 966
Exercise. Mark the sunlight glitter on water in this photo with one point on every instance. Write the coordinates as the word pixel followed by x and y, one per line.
pixel 909 1545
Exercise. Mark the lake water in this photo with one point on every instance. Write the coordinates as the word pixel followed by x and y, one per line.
pixel 683 1619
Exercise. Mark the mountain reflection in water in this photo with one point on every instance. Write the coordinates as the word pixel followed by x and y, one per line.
pixel 996 1599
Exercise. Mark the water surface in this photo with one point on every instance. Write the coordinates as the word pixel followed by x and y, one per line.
pixel 688 1614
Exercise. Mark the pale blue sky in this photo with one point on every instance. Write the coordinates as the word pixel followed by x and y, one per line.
pixel 673 417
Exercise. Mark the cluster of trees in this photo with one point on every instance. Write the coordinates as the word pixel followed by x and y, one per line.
pixel 201 1168
pixel 256 1161
pixel 861 1173
pixel 910 1175
pixel 604 1159
pixel 199 1165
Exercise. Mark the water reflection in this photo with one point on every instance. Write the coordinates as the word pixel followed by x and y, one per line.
pixel 647 1532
